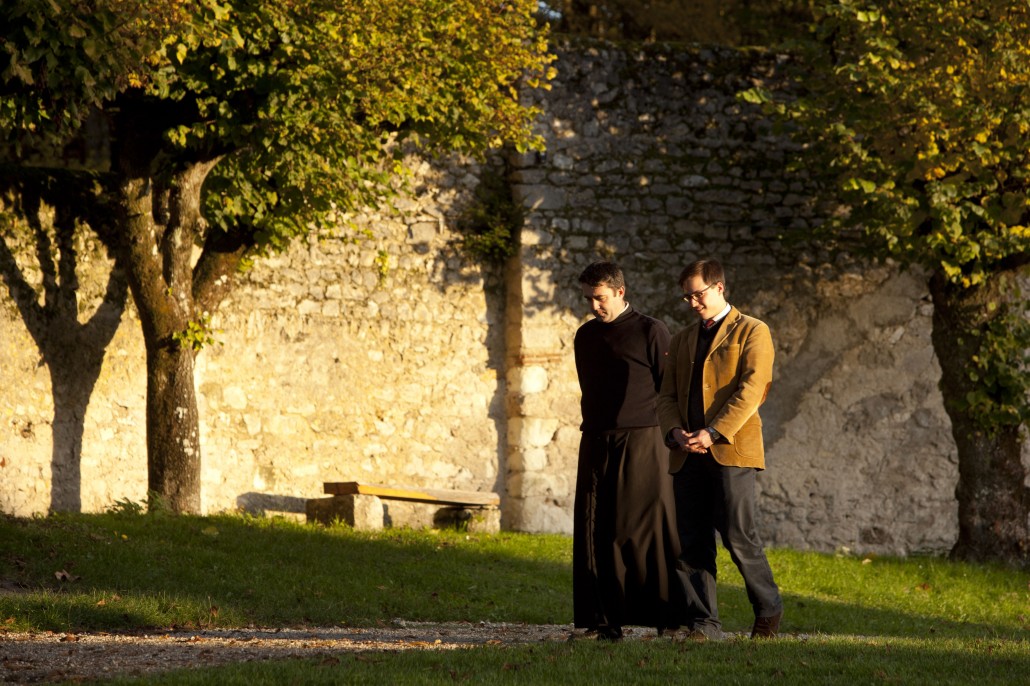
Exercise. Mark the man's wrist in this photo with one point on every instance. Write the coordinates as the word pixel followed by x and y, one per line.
pixel 713 433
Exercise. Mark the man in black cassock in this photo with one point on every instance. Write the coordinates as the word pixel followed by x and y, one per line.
pixel 625 543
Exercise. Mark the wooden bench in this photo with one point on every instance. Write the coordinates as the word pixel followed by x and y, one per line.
pixel 423 495
pixel 361 506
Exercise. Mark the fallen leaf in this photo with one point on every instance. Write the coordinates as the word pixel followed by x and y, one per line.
pixel 69 638
pixel 209 531
pixel 65 576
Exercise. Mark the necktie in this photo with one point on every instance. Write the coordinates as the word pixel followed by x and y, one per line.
pixel 708 323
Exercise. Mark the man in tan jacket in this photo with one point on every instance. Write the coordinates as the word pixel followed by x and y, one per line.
pixel 718 374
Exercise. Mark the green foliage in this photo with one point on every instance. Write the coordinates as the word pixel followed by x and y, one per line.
pixel 1000 372
pixel 303 103
pixel 60 59
pixel 921 111
pixel 382 261
pixel 127 507
pixel 197 335
pixel 491 223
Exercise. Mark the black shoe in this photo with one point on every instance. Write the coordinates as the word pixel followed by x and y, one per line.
pixel 766 627
pixel 609 633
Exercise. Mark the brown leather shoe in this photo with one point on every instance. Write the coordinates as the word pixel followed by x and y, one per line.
pixel 766 627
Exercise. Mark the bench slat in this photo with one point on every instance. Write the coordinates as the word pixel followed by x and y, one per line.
pixel 423 495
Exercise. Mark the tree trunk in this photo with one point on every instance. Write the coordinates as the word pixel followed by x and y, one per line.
pixel 161 225
pixel 173 438
pixel 160 288
pixel 993 497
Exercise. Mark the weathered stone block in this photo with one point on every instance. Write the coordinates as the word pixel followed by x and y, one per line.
pixel 533 432
pixel 363 512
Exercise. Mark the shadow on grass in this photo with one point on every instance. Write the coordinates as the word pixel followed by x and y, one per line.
pixel 824 661
pixel 131 572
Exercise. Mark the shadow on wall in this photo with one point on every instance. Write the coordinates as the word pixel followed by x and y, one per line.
pixel 485 227
pixel 72 351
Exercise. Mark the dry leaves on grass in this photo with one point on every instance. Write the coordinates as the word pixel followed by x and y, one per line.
pixel 51 657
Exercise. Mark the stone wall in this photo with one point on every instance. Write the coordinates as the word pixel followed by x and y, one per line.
pixel 372 359
pixel 395 359
pixel 652 161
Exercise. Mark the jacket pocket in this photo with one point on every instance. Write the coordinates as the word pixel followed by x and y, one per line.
pixel 748 441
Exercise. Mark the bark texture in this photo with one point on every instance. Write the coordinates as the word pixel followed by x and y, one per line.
pixel 993 497
pixel 161 227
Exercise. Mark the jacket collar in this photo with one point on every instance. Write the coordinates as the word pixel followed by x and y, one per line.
pixel 728 324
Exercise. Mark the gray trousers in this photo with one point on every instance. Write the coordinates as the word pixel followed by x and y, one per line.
pixel 712 498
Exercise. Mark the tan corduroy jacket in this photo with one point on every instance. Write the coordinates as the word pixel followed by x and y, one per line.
pixel 735 382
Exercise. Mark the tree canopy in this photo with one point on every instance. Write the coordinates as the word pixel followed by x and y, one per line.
pixel 920 110
pixel 232 127
pixel 926 112
pixel 302 97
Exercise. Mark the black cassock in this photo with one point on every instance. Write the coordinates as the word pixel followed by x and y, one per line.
pixel 625 543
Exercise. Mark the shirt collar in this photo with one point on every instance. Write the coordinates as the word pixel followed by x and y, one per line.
pixel 722 315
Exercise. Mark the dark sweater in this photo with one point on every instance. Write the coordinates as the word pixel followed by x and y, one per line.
pixel 620 368
pixel 695 402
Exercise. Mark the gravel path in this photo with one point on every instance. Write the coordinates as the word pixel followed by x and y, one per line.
pixel 32 658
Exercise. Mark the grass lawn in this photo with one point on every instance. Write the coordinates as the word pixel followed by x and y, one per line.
pixel 848 619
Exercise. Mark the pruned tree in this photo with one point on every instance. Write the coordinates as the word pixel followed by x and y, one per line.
pixel 236 126
pixel 920 109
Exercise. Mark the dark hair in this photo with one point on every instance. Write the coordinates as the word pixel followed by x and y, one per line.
pixel 709 270
pixel 603 274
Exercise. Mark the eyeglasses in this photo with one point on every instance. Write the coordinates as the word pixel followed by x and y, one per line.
pixel 697 295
